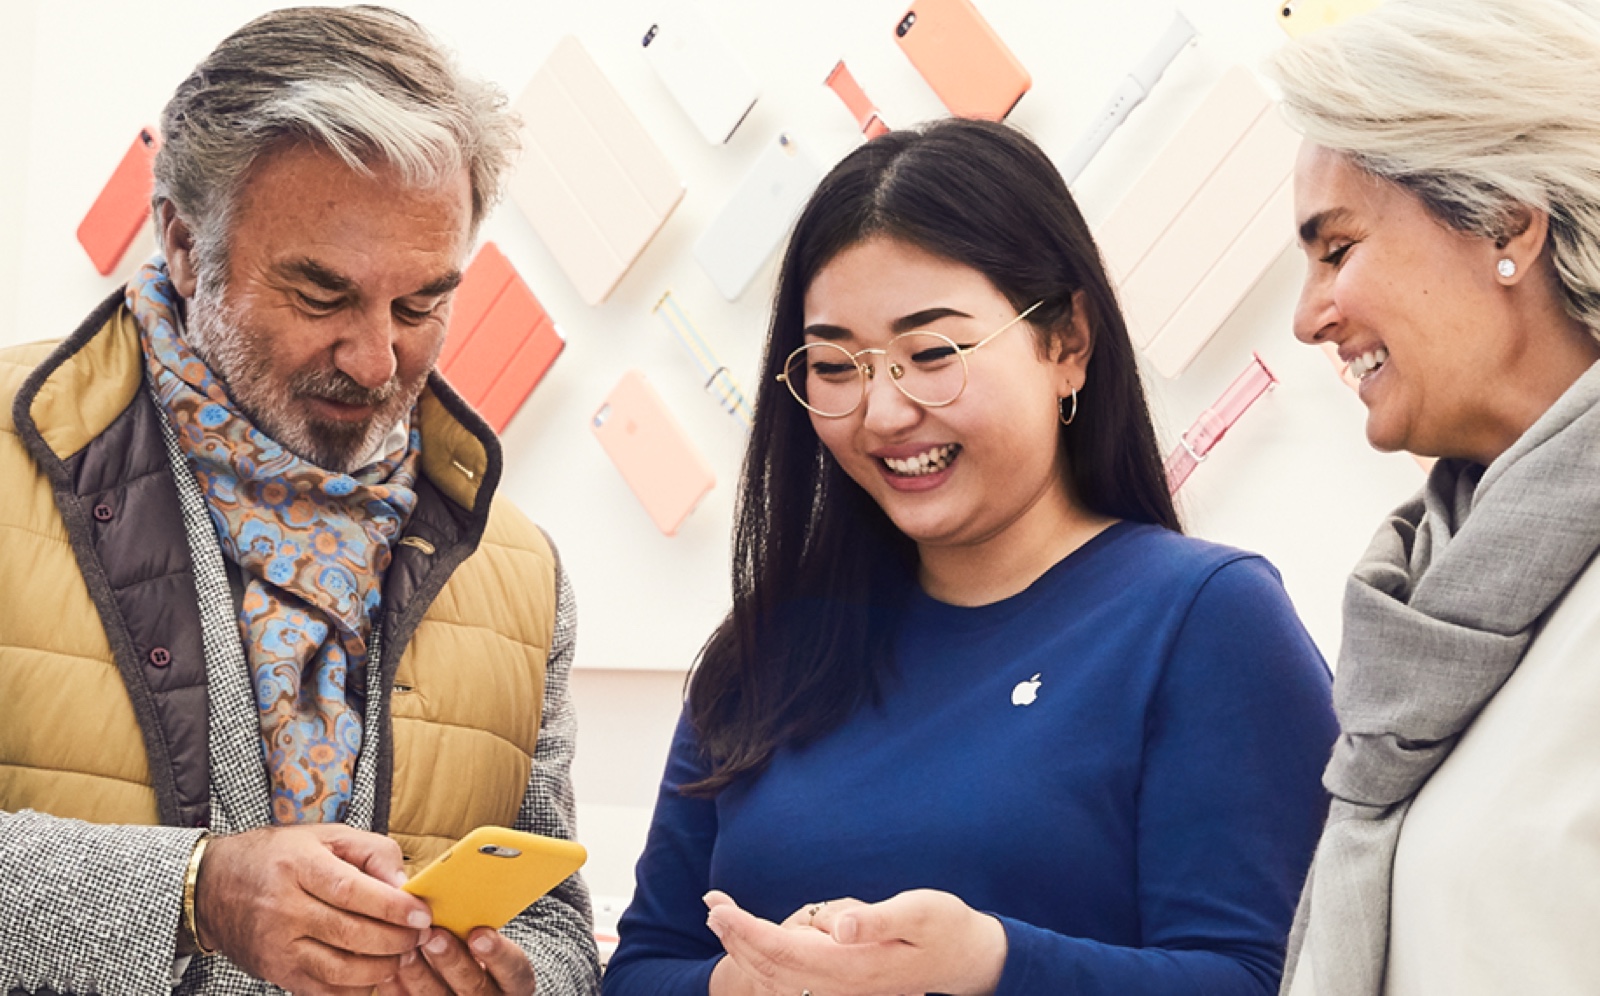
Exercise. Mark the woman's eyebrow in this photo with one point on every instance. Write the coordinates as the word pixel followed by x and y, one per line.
pixel 927 316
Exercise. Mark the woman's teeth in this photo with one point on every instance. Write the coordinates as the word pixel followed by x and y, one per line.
pixel 1368 362
pixel 930 462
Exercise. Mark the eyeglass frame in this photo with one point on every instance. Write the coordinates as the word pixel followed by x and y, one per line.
pixel 866 371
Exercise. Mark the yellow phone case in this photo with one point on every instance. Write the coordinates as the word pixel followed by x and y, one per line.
pixel 491 875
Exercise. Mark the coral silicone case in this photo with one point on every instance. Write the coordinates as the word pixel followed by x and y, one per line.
pixel 656 457
pixel 123 205
pixel 962 58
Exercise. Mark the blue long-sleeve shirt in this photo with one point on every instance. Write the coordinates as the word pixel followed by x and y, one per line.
pixel 1143 826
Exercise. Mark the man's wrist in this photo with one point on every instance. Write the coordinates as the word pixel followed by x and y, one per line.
pixel 190 937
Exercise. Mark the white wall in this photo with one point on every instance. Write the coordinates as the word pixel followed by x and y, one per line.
pixel 1294 480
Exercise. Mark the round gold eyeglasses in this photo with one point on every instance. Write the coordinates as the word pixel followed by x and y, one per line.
pixel 928 368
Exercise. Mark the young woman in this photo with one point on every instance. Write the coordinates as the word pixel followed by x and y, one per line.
pixel 981 719
pixel 1448 200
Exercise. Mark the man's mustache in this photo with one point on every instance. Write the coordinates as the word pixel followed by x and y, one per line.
pixel 334 385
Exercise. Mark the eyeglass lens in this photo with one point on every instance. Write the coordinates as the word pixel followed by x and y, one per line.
pixel 926 366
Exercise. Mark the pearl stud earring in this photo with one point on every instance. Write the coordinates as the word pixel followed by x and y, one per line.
pixel 1506 268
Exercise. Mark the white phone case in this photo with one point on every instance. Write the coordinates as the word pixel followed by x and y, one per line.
pixel 737 243
pixel 702 73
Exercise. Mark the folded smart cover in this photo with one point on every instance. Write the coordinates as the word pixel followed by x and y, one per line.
pixel 1204 222
pixel 501 341
pixel 591 182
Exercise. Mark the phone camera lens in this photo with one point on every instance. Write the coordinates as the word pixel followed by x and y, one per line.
pixel 1288 10
pixel 147 139
pixel 906 23
pixel 650 36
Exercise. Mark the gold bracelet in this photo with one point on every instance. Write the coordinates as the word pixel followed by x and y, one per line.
pixel 191 878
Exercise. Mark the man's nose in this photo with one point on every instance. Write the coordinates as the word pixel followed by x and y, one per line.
pixel 366 354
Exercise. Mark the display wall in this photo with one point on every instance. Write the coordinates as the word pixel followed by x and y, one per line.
pixel 1293 479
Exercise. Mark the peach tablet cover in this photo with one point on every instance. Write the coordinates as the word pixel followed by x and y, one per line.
pixel 1204 222
pixel 591 181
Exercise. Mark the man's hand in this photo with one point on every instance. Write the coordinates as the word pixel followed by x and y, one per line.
pixel 313 909
pixel 445 966
pixel 916 942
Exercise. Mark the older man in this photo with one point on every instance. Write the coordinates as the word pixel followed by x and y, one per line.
pixel 266 636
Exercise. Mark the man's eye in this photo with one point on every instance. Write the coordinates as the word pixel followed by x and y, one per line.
pixel 317 304
pixel 413 315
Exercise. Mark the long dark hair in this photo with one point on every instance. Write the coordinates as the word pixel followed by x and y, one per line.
pixel 820 573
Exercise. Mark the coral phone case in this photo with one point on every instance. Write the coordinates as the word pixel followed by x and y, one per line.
pixel 491 875
pixel 591 182
pixel 702 73
pixel 1301 17
pixel 738 242
pixel 501 340
pixel 123 205
pixel 666 471
pixel 962 58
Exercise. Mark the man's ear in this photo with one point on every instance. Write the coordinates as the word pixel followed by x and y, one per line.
pixel 1072 347
pixel 178 244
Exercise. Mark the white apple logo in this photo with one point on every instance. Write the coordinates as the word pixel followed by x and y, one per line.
pixel 1026 691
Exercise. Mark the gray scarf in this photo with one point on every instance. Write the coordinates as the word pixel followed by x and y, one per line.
pixel 1436 617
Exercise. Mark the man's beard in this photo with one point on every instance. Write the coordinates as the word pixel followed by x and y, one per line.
pixel 242 361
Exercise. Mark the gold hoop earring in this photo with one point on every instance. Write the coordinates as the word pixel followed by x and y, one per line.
pixel 1061 408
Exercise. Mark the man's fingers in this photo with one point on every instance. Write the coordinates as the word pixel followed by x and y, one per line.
pixel 361 935
pixel 415 978
pixel 344 887
pixel 507 964
pixel 456 966
pixel 340 970
pixel 375 854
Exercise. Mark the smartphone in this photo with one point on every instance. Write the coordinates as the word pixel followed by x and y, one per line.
pixel 962 58
pixel 123 205
pixel 662 466
pixel 1301 17
pixel 738 242
pixel 491 875
pixel 501 341
pixel 701 72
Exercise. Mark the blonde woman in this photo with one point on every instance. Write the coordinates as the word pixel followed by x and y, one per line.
pixel 1448 200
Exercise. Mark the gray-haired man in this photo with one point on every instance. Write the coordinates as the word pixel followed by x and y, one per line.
pixel 266 637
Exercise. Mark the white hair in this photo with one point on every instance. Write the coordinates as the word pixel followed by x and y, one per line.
pixel 367 83
pixel 1481 108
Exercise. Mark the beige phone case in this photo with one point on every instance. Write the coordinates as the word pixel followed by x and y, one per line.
pixel 591 181
pixel 1204 222
pixel 661 464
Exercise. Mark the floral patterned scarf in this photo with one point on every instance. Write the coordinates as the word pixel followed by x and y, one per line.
pixel 314 546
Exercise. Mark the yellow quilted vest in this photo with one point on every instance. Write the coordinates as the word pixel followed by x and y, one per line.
pixel 468 692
